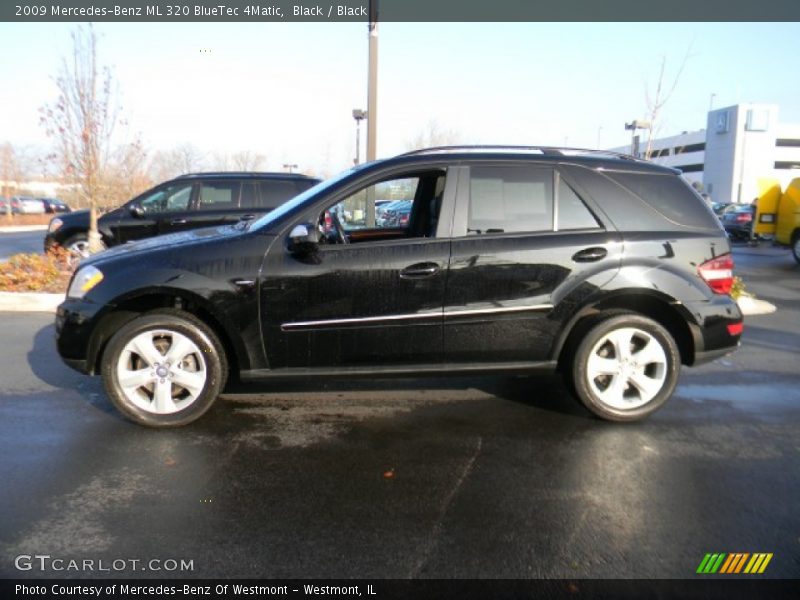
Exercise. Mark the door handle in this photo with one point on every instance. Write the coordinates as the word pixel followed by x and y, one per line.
pixel 419 271
pixel 178 222
pixel 247 217
pixel 590 255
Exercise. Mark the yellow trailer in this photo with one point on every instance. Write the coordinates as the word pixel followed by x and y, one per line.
pixel 778 213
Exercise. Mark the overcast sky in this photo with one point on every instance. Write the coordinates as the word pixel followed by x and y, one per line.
pixel 287 90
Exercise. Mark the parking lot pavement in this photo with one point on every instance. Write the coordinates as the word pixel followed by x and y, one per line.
pixel 21 241
pixel 478 477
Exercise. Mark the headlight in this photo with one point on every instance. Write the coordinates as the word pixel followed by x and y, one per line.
pixel 55 224
pixel 85 279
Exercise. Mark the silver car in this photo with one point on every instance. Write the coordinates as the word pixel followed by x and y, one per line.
pixel 25 205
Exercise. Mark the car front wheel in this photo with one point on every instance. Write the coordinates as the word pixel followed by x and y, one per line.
pixel 164 369
pixel 625 367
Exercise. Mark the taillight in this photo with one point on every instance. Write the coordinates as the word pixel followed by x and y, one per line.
pixel 328 221
pixel 718 273
pixel 744 217
pixel 736 328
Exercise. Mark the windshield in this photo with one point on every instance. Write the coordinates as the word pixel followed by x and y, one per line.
pixel 298 201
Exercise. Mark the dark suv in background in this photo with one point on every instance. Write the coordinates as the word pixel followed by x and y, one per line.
pixel 186 202
pixel 513 260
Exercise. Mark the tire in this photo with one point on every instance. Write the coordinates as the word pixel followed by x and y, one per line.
pixel 78 245
pixel 154 388
pixel 796 246
pixel 619 385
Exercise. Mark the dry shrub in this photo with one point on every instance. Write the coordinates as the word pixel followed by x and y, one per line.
pixel 37 272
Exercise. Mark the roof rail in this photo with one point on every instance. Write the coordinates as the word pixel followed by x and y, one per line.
pixel 543 150
pixel 242 174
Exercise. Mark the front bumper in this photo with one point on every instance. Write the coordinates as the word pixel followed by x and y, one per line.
pixel 74 326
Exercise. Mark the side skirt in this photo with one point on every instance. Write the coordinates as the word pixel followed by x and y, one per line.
pixel 510 368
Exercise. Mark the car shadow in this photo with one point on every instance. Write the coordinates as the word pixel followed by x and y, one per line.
pixel 543 392
pixel 47 366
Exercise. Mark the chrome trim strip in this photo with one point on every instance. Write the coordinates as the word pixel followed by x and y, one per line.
pixel 430 315
pixel 499 309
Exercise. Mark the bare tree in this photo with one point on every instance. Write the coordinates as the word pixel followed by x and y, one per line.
pixel 656 99
pixel 82 121
pixel 186 158
pixel 12 168
pixel 129 173
pixel 248 161
pixel 433 135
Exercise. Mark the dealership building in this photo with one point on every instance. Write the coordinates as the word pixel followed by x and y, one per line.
pixel 740 145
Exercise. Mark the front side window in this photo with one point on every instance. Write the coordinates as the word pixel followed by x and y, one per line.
pixel 402 207
pixel 171 198
pixel 510 200
pixel 219 195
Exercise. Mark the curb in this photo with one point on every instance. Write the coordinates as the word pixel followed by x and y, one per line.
pixel 29 302
pixel 753 306
pixel 21 228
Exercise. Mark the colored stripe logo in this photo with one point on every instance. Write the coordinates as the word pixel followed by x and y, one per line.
pixel 734 563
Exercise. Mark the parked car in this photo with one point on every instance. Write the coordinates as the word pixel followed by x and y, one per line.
pixel 607 268
pixel 388 215
pixel 187 202
pixel 26 205
pixel 719 207
pixel 54 205
pixel 738 221
pixel 4 205
pixel 396 215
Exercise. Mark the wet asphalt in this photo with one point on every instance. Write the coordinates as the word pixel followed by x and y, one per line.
pixel 445 478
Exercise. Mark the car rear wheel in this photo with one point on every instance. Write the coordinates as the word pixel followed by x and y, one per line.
pixel 625 367
pixel 164 369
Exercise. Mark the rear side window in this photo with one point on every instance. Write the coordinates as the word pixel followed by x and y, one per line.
pixel 219 195
pixel 670 196
pixel 274 193
pixel 509 200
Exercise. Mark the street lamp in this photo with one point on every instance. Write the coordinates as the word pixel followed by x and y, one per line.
pixel 359 115
pixel 632 127
pixel 289 167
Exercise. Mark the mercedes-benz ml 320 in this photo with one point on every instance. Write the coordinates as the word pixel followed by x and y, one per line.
pixel 512 260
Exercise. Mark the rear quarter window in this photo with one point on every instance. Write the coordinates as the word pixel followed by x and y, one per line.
pixel 670 196
pixel 644 201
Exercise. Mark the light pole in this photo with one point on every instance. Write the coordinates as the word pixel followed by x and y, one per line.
pixel 372 104
pixel 359 115
pixel 289 167
pixel 711 102
pixel 632 127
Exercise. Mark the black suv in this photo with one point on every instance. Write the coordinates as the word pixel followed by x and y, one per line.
pixel 187 202
pixel 513 260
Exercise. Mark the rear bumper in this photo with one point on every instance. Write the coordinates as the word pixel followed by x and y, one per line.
pixel 701 358
pixel 711 325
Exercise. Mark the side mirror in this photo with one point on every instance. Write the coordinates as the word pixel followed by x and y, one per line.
pixel 136 210
pixel 303 239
